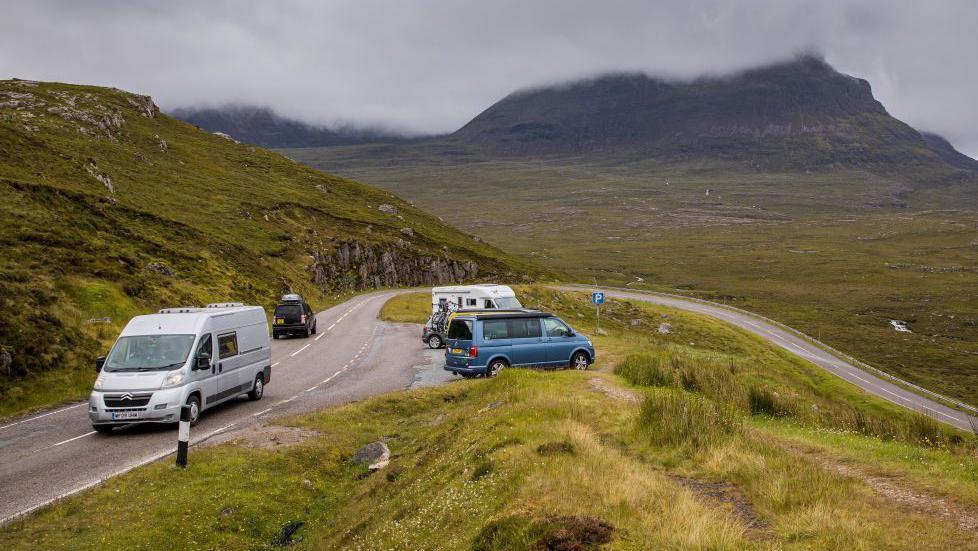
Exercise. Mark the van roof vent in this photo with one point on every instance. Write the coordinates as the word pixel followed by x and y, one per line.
pixel 180 310
pixel 225 305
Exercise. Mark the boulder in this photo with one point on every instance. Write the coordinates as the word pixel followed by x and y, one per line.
pixel 375 455
pixel 389 209
pixel 665 328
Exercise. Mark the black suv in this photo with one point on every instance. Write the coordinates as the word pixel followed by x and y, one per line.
pixel 293 316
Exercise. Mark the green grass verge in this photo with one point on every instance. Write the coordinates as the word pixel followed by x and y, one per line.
pixel 407 308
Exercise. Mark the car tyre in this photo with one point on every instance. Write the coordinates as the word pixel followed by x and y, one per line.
pixel 258 389
pixel 434 342
pixel 276 336
pixel 103 429
pixel 305 333
pixel 580 361
pixel 194 402
pixel 314 328
pixel 495 368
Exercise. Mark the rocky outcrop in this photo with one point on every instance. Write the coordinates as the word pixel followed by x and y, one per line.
pixel 353 266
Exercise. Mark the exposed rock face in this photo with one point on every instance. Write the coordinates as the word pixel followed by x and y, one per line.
pixel 389 209
pixel 145 105
pixel 353 266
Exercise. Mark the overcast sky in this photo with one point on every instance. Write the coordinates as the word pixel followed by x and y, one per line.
pixel 429 66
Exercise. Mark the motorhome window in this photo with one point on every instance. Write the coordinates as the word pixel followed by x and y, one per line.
pixel 206 346
pixel 470 302
pixel 460 329
pixel 508 303
pixel 149 353
pixel 495 329
pixel 524 328
pixel 556 328
pixel 489 304
pixel 227 345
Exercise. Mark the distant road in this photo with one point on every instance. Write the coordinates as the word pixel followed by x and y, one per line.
pixel 799 346
pixel 52 454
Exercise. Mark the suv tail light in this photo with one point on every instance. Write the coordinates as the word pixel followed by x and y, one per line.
pixel 302 319
pixel 473 351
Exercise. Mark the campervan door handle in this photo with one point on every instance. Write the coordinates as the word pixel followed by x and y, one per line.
pixel 220 368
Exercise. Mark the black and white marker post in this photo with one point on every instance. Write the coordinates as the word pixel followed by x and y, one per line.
pixel 183 436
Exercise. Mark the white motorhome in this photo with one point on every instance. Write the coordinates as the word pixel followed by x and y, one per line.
pixel 459 297
pixel 195 356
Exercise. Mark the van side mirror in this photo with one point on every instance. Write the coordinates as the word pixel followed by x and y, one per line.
pixel 203 362
pixel 99 363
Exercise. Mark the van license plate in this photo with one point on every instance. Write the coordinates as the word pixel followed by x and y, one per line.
pixel 457 351
pixel 124 415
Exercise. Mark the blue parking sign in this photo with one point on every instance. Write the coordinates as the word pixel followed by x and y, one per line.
pixel 597 297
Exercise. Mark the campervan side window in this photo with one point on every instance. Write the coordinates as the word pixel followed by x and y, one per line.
pixel 228 345
pixel 470 302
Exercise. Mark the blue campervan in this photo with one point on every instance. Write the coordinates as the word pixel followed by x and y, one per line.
pixel 485 343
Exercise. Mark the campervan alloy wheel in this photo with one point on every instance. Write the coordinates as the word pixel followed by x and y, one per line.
pixel 495 368
pixel 579 361
pixel 434 341
pixel 258 389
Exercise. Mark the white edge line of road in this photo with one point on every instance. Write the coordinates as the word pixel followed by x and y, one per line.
pixel 15 423
pixel 97 481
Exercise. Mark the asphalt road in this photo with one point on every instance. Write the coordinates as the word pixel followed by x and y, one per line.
pixel 53 454
pixel 818 356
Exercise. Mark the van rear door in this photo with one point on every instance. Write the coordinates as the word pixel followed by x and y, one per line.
pixel 459 342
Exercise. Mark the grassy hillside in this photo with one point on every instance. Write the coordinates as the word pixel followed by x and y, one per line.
pixel 567 460
pixel 109 208
pixel 836 253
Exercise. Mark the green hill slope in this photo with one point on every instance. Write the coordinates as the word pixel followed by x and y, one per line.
pixel 109 208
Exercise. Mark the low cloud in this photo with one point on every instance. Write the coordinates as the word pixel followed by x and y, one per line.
pixel 428 67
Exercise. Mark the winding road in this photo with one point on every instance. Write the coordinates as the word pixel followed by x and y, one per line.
pixel 794 343
pixel 51 455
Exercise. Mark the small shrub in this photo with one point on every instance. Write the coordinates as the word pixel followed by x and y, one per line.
pixel 483 470
pixel 762 401
pixel 556 448
pixel 682 419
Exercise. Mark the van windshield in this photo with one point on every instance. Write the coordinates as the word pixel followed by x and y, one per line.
pixel 508 303
pixel 149 353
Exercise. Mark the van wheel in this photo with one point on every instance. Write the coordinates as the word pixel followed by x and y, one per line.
pixel 580 361
pixel 495 368
pixel 258 389
pixel 434 342
pixel 103 429
pixel 194 402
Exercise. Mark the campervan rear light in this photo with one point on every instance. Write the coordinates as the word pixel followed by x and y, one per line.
pixel 473 351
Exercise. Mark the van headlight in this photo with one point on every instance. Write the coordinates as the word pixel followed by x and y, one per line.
pixel 99 381
pixel 173 379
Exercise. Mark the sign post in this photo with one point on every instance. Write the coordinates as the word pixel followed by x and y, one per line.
pixel 597 298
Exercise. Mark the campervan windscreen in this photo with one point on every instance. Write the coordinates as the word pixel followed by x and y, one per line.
pixel 507 303
pixel 149 353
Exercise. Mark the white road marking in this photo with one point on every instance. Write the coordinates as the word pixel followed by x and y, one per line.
pixel 292 355
pixel 331 327
pixel 311 389
pixel 73 439
pixel 276 363
pixel 212 433
pixel 321 335
pixel 43 415
pixel 262 412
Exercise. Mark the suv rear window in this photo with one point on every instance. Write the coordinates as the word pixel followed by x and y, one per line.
pixel 288 311
pixel 460 329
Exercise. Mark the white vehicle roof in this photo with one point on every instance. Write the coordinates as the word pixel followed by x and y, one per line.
pixel 191 321
pixel 484 290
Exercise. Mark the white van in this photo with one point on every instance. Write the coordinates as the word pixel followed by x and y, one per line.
pixel 195 356
pixel 459 297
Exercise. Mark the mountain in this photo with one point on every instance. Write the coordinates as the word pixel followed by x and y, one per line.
pixel 110 208
pixel 800 113
pixel 263 127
